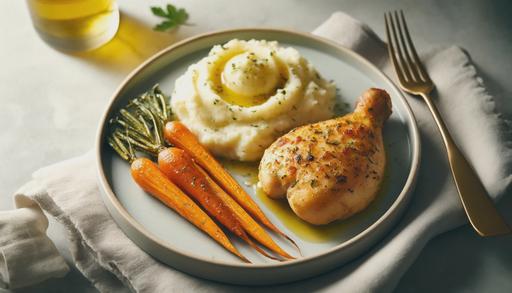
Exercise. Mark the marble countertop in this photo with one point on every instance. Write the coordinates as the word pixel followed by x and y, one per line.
pixel 51 102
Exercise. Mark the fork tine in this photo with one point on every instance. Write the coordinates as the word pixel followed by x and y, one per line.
pixel 399 51
pixel 410 64
pixel 392 51
pixel 417 60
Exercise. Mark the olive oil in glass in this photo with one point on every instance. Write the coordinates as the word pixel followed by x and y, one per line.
pixel 75 25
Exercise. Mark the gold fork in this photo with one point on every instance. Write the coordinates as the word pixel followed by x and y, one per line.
pixel 414 79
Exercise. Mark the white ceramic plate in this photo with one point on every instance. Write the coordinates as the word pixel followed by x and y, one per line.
pixel 169 238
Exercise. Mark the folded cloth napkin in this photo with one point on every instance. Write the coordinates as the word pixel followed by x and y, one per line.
pixel 113 263
pixel 27 255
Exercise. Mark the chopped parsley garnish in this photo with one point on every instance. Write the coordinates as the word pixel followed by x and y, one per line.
pixel 174 17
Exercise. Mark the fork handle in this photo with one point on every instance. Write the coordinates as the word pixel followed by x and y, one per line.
pixel 482 214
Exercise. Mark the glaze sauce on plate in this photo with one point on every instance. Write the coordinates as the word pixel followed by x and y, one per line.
pixel 283 212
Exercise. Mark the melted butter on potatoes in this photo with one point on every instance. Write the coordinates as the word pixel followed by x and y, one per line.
pixel 250 75
pixel 245 94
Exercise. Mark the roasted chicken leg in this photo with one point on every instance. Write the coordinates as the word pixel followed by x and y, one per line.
pixel 332 169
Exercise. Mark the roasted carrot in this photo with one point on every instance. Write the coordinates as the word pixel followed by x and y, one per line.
pixel 152 180
pixel 179 135
pixel 247 222
pixel 179 167
pixel 140 125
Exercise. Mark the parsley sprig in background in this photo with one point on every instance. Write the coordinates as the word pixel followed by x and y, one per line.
pixel 174 17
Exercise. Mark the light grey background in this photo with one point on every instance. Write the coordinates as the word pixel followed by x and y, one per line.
pixel 50 102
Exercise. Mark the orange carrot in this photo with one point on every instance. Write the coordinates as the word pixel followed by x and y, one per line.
pixel 247 222
pixel 179 135
pixel 151 179
pixel 178 166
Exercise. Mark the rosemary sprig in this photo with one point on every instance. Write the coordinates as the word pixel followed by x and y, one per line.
pixel 139 125
pixel 126 153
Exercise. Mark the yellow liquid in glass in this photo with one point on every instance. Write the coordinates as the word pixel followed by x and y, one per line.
pixel 75 24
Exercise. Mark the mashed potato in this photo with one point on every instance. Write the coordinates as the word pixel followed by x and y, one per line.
pixel 246 94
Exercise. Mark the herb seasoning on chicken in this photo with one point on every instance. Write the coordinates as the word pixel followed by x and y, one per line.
pixel 332 169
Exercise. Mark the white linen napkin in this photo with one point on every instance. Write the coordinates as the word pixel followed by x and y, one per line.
pixel 27 255
pixel 113 263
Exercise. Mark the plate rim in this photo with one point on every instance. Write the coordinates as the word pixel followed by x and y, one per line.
pixel 108 194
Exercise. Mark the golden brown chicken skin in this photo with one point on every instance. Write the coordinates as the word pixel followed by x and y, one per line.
pixel 332 169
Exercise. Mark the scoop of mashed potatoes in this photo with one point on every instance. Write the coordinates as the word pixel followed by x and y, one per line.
pixel 246 94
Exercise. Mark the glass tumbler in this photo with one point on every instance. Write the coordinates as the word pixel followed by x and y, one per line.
pixel 75 25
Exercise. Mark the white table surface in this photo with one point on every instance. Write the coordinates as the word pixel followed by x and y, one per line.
pixel 51 103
